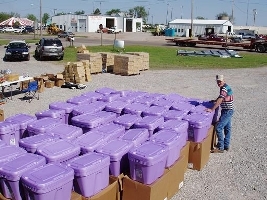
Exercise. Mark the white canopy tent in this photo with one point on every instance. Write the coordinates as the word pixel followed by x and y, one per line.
pixel 22 21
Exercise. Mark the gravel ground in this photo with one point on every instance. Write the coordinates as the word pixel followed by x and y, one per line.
pixel 238 174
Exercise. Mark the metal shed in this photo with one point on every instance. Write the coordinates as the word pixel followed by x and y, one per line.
pixel 183 26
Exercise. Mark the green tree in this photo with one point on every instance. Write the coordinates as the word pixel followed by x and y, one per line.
pixel 113 11
pixel 224 15
pixel 4 16
pixel 45 18
pixel 97 12
pixel 13 14
pixel 79 12
pixel 139 12
pixel 31 17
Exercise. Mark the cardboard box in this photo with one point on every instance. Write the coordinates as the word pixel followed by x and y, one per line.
pixel 176 176
pixel 199 152
pixel 59 76
pixel 49 84
pixel 133 190
pixel 12 77
pixel 59 82
pixel 185 152
pixel 2 117
pixel 109 193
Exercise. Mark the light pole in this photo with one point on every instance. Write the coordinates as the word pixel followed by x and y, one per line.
pixel 192 6
pixel 247 13
pixel 167 15
pixel 254 15
pixel 41 24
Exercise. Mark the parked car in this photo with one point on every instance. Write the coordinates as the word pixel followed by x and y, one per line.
pixel 65 34
pixel 28 29
pixel 8 29
pixel 114 30
pixel 48 47
pixel 17 50
pixel 249 36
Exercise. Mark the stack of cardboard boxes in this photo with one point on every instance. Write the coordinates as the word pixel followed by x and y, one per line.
pixel 77 72
pixel 144 59
pixel 95 60
pixel 126 65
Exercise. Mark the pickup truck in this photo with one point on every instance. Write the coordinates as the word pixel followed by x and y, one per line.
pixel 114 30
pixel 230 35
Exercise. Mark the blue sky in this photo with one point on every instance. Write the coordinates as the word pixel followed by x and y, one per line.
pixel 159 10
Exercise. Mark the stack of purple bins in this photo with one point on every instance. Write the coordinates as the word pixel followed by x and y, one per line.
pixel 79 100
pixel 10 132
pixel 55 114
pixel 93 107
pixel 127 120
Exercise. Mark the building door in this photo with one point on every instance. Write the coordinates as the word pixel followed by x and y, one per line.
pixel 73 27
pixel 82 25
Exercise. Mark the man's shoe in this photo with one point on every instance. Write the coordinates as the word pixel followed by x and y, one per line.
pixel 227 149
pixel 217 151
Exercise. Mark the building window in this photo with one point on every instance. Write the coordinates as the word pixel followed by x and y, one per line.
pixel 182 30
pixel 179 30
pixel 60 26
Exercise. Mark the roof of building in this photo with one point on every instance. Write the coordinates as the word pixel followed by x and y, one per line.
pixel 201 21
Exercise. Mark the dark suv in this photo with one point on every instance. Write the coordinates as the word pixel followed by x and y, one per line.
pixel 52 48
pixel 17 50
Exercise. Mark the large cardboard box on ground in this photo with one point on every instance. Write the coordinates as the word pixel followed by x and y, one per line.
pixel 144 59
pixel 126 65
pixel 95 60
pixel 112 192
pixel 2 116
pixel 185 153
pixel 41 83
pixel 199 152
pixel 77 72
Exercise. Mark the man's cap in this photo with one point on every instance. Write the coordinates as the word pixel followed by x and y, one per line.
pixel 219 77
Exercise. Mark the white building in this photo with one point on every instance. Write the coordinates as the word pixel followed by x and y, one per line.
pixel 90 23
pixel 183 26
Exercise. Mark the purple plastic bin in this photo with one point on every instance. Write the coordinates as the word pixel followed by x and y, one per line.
pixel 65 131
pixel 175 98
pixel 163 102
pixel 116 107
pixel 194 101
pixel 59 151
pixel 93 96
pixel 183 106
pixel 2 143
pixel 137 94
pixel 180 126
pixel 145 100
pixel 172 139
pixel 199 125
pixel 10 133
pixel 174 114
pixel 89 121
pixel 91 173
pixel 56 114
pixel 30 144
pixel 155 111
pixel 127 120
pixel 208 104
pixel 109 97
pixel 22 120
pixel 137 136
pixel 128 99
pixel 156 96
pixel 111 130
pixel 8 153
pixel 78 100
pixel 89 108
pixel 41 125
pixel 52 181
pixel 150 123
pixel 147 162
pixel 90 141
pixel 12 171
pixel 122 93
pixel 105 90
pixel 135 108
pixel 117 150
pixel 67 107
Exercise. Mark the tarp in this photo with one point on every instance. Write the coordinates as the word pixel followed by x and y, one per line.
pixel 22 21
pixel 215 53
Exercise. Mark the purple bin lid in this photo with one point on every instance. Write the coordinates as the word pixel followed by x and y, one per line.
pixel 155 111
pixel 39 126
pixel 89 163
pixel 147 100
pixel 163 102
pixel 184 106
pixel 78 100
pixel 127 120
pixel 149 122
pixel 89 108
pixel 156 96
pixel 2 143
pixel 148 153
pixel 168 137
pixel 47 178
pixel 50 113
pixel 36 140
pixel 21 119
pixel 111 129
pixel 128 99
pixel 198 120
pixel 122 93
pixel 92 95
pixel 137 94
pixel 194 101
pixel 9 152
pixel 8 127
pixel 116 106
pixel 65 131
pixel 174 124
pixel 105 90
pixel 174 114
pixel 109 97
pixel 137 135
pixel 13 170
pixel 68 107
pixel 115 149
pixel 200 109
pixel 135 108
pixel 91 140
pixel 175 97
pixel 59 151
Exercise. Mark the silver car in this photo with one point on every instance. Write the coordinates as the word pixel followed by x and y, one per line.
pixel 49 48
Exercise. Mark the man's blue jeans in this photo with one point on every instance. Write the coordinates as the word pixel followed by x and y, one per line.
pixel 223 129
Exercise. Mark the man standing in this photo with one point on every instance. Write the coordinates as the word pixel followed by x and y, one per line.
pixel 223 127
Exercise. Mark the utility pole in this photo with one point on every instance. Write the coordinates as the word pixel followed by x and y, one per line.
pixel 167 15
pixel 233 3
pixel 254 15
pixel 192 6
pixel 247 13
pixel 41 23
